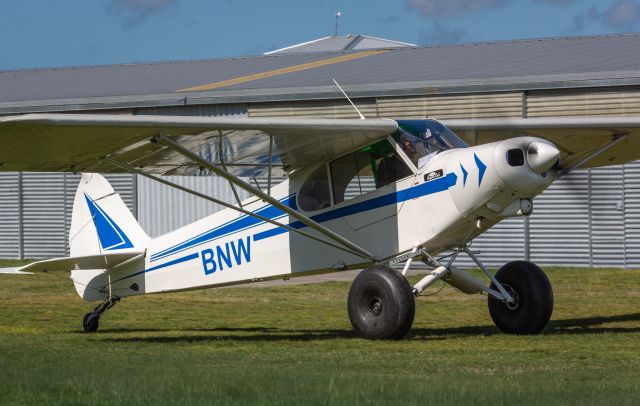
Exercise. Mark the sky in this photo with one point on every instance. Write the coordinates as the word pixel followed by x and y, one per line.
pixel 48 33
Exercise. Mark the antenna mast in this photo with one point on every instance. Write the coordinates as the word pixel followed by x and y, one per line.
pixel 345 95
pixel 338 14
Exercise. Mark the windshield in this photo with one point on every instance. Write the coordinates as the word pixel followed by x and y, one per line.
pixel 421 140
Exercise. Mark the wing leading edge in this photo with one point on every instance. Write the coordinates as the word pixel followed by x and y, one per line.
pixel 577 137
pixel 77 142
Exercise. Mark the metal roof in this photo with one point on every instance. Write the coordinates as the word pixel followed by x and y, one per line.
pixel 608 60
pixel 341 43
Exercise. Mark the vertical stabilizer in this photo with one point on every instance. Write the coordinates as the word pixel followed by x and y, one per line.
pixel 101 222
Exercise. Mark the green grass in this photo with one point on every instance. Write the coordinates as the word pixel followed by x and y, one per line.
pixel 294 345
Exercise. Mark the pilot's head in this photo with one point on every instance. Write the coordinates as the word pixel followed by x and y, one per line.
pixel 408 147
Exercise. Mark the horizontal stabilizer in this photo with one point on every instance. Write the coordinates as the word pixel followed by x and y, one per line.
pixel 14 271
pixel 98 261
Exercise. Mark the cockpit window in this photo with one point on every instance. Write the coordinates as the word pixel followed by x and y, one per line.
pixel 365 170
pixel 377 165
pixel 314 194
pixel 422 140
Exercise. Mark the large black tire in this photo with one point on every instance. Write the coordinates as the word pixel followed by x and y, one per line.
pixel 533 295
pixel 381 304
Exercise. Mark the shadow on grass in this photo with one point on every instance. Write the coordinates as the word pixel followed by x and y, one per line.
pixel 271 334
pixel 585 325
pixel 240 334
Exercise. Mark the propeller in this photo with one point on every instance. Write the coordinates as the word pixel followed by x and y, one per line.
pixel 542 156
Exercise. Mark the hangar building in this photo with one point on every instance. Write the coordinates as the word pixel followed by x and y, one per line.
pixel 590 218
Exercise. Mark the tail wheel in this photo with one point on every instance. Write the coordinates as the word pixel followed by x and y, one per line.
pixel 91 322
pixel 531 290
pixel 381 304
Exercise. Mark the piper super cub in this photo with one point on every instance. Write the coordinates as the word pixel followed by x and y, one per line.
pixel 367 193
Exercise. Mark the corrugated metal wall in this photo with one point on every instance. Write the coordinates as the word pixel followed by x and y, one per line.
pixel 559 226
pixel 35 211
pixel 508 104
pixel 453 106
pixel 504 242
pixel 326 108
pixel 592 103
pixel 239 109
pixel 481 105
pixel 163 209
pixel 43 219
pixel 632 215
pixel 10 215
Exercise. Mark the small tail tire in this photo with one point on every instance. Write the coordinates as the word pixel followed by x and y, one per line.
pixel 91 322
pixel 531 310
pixel 381 304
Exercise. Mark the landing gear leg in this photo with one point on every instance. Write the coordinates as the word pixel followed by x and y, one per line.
pixel 91 320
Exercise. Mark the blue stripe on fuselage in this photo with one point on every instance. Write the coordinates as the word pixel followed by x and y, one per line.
pixel 166 264
pixel 247 222
pixel 434 186
pixel 228 228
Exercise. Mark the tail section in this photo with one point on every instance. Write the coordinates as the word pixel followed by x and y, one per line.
pixel 101 222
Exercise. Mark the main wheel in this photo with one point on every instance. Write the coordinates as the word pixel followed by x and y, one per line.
pixel 531 310
pixel 91 322
pixel 381 304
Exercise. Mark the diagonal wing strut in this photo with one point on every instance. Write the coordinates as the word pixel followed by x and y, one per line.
pixel 166 141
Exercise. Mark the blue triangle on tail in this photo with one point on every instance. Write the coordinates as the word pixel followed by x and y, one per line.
pixel 110 235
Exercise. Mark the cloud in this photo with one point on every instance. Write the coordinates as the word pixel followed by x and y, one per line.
pixel 439 34
pixel 135 12
pixel 622 15
pixel 449 8
pixel 578 23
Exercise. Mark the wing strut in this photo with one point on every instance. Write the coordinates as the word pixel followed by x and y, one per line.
pixel 616 139
pixel 228 205
pixel 258 193
pixel 221 157
pixel 270 162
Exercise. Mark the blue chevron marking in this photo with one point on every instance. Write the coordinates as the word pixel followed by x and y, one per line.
pixel 481 168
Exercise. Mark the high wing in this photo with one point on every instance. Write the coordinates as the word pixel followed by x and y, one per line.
pixel 611 140
pixel 77 142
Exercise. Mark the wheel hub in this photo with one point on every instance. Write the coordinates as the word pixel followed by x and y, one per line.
pixel 375 306
pixel 515 304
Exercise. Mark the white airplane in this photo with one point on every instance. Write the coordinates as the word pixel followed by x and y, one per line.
pixel 432 194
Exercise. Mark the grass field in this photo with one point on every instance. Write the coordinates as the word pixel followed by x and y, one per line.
pixel 294 345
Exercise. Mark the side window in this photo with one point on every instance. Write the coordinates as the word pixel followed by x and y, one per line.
pixel 346 175
pixel 365 170
pixel 390 169
pixel 314 194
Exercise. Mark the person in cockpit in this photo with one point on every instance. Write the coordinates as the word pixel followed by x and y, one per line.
pixel 415 150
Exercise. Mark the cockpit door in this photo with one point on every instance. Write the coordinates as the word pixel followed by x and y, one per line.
pixel 366 183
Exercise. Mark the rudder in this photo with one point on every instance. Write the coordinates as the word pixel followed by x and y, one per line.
pixel 101 222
